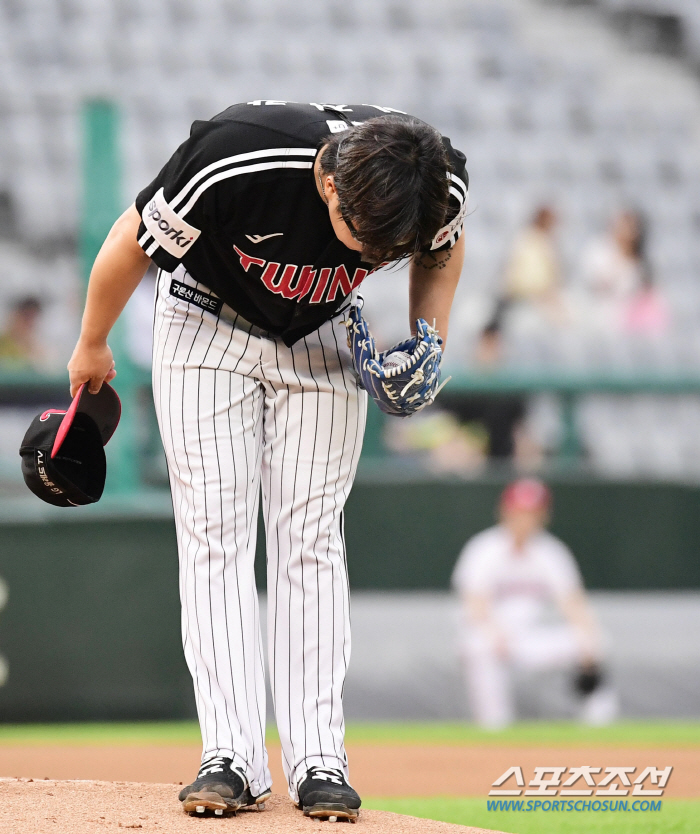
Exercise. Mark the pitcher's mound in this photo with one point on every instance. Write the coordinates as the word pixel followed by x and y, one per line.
pixel 101 807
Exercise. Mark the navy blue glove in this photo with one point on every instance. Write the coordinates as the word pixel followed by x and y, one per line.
pixel 407 382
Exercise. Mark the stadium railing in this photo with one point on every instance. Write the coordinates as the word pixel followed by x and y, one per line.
pixel 131 451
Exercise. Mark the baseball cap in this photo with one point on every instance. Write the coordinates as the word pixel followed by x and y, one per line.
pixel 526 494
pixel 63 458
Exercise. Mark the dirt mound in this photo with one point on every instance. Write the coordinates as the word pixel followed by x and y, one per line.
pixel 40 807
pixel 377 770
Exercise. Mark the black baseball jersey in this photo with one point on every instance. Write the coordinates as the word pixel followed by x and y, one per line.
pixel 237 205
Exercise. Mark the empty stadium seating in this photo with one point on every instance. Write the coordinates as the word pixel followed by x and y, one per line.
pixel 547 102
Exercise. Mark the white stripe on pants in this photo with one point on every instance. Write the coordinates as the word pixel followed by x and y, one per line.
pixel 236 407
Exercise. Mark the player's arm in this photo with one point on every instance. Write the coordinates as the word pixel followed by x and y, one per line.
pixel 576 609
pixel 117 271
pixel 433 279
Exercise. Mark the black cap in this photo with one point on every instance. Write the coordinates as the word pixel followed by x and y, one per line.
pixel 63 459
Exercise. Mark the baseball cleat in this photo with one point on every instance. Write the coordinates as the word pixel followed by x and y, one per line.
pixel 219 789
pixel 324 794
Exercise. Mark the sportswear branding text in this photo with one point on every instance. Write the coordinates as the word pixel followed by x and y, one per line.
pixel 46 481
pixel 292 282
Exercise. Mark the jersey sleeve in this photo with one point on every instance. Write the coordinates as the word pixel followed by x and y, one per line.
pixel 563 573
pixel 472 573
pixel 459 198
pixel 175 208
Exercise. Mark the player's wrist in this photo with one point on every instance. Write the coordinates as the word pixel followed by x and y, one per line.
pixel 92 340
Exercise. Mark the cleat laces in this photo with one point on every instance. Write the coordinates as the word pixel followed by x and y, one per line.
pixel 327 774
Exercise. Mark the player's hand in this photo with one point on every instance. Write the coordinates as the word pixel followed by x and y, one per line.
pixel 92 363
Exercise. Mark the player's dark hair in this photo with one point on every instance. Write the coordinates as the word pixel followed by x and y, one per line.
pixel 391 178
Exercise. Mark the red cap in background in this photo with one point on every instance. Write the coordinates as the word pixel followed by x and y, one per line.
pixel 526 494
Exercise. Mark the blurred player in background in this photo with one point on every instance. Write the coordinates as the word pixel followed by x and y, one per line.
pixel 510 578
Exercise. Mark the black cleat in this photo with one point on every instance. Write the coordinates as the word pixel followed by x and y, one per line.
pixel 219 789
pixel 324 794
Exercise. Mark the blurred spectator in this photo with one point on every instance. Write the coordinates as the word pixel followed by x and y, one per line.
pixel 489 348
pixel 533 272
pixel 615 267
pixel 19 344
pixel 647 313
pixel 439 441
pixel 500 415
pixel 512 579
pixel 464 430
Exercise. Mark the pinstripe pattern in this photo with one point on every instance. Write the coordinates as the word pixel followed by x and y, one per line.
pixel 238 411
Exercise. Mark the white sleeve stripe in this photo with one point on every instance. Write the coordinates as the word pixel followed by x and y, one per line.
pixel 457 194
pixel 242 157
pixel 234 172
pixel 152 248
pixel 460 183
pixel 144 238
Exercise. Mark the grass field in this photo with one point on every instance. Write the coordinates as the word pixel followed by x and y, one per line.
pixel 624 733
pixel 675 817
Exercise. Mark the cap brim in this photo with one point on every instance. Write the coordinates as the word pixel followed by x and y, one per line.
pixel 104 408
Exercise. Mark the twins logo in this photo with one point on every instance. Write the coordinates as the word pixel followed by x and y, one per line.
pixel 293 282
pixel 45 416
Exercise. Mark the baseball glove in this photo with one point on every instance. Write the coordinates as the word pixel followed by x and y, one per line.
pixel 411 380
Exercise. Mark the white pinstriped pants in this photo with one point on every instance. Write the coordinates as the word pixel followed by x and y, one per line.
pixel 236 407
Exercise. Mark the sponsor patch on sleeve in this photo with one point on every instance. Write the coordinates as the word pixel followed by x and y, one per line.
pixel 454 227
pixel 169 231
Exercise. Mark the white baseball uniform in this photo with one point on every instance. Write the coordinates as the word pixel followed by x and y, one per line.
pixel 235 405
pixel 254 389
pixel 523 588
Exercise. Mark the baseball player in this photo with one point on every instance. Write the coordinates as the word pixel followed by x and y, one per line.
pixel 263 224
pixel 512 577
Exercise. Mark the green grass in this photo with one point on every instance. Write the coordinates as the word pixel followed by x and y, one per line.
pixel 527 734
pixel 142 733
pixel 675 817
pixel 533 733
